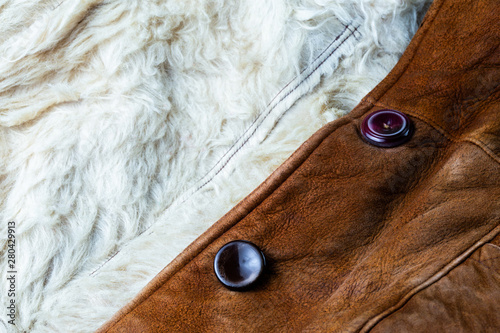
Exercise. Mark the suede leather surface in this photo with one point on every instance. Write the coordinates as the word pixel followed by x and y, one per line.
pixel 465 300
pixel 406 248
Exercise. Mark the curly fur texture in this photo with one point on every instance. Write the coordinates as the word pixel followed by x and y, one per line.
pixel 111 111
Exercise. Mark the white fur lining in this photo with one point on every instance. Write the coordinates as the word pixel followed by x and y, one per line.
pixel 309 77
pixel 142 124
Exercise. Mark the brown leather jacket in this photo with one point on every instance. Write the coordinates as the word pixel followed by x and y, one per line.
pixel 412 246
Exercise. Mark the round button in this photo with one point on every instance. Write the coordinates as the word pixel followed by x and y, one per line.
pixel 239 264
pixel 386 128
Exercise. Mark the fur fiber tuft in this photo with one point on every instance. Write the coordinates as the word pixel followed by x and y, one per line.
pixel 111 111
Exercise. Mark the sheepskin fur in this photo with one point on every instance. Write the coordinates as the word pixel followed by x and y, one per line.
pixel 127 128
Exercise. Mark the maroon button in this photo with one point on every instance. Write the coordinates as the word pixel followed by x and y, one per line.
pixel 239 264
pixel 386 128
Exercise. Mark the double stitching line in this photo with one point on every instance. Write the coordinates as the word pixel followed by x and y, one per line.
pixel 348 32
pixel 266 114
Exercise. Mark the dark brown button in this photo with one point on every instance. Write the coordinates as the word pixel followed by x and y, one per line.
pixel 386 128
pixel 239 264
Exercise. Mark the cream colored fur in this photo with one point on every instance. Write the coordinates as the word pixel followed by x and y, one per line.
pixel 112 111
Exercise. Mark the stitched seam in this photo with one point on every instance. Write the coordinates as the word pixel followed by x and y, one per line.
pixel 204 248
pixel 484 147
pixel 277 103
pixel 352 32
pixel 494 245
pixel 374 320
pixel 442 272
pixel 270 110
pixel 201 250
pixel 367 325
pixel 104 263
pixel 266 114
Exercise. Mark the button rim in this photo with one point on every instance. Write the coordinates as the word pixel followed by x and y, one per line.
pixel 237 287
pixel 387 140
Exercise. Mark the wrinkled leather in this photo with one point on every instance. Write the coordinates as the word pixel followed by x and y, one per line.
pixel 465 300
pixel 363 238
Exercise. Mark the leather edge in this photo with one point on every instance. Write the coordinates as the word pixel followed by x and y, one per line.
pixel 491 236
pixel 496 240
pixel 279 176
pixel 397 72
pixel 230 219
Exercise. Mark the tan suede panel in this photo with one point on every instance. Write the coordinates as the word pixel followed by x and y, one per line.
pixel 463 301
pixel 352 232
pixel 496 241
pixel 453 79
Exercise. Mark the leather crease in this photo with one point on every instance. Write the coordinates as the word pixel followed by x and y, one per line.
pixel 413 225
